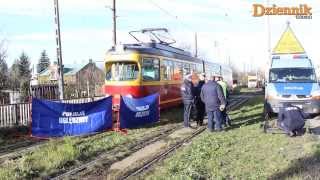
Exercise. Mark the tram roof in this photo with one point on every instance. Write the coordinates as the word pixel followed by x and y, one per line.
pixel 155 49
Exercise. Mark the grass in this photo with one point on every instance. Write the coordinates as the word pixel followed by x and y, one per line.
pixel 244 152
pixel 56 155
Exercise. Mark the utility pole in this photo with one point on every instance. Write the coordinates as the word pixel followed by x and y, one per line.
pixel 59 51
pixel 269 34
pixel 114 18
pixel 195 45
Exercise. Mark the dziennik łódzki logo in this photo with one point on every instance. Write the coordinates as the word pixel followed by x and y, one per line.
pixel 303 11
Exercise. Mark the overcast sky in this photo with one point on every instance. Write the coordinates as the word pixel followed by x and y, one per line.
pixel 225 28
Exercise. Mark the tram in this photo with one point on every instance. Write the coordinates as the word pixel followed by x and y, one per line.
pixel 141 69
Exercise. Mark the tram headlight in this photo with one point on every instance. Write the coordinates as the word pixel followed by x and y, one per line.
pixel 129 96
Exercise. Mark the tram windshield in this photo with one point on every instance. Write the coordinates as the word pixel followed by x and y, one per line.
pixel 292 75
pixel 122 71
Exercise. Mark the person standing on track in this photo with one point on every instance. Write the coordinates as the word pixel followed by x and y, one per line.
pixel 224 86
pixel 200 107
pixel 212 95
pixel 187 93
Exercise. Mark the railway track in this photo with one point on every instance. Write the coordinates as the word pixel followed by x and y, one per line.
pixel 164 154
pixel 17 150
pixel 133 147
pixel 103 161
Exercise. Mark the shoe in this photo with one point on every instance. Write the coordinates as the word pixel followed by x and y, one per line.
pixel 187 126
pixel 291 134
pixel 199 124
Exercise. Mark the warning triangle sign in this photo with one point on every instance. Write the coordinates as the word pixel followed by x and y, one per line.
pixel 288 43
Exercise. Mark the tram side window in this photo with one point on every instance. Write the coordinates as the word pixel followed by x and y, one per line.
pixel 167 69
pixel 151 69
pixel 186 69
pixel 193 68
pixel 199 68
pixel 177 74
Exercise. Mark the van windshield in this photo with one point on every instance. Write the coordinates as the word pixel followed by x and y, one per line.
pixel 121 71
pixel 292 75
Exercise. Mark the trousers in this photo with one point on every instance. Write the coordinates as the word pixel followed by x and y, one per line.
pixel 200 107
pixel 187 113
pixel 214 120
pixel 225 118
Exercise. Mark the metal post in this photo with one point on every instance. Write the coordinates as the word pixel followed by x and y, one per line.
pixel 269 34
pixel 196 45
pixel 59 51
pixel 114 18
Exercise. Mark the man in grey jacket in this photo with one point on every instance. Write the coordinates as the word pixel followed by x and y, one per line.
pixel 187 94
pixel 212 95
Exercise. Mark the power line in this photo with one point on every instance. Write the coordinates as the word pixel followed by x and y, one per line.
pixel 170 14
pixel 163 10
pixel 184 24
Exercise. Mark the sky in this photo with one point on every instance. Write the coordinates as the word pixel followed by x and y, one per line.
pixel 226 30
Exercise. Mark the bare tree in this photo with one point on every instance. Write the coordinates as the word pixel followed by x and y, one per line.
pixel 3 50
pixel 3 66
pixel 4 75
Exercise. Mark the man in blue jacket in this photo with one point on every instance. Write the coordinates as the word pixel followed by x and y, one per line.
pixel 187 94
pixel 212 95
pixel 291 119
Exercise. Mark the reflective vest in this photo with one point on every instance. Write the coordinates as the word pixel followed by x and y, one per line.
pixel 224 87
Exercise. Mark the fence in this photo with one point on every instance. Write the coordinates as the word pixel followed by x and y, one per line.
pixel 14 114
pixel 19 114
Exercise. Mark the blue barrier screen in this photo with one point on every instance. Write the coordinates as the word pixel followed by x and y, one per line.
pixel 139 112
pixel 53 119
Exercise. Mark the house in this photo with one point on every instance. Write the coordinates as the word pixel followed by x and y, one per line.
pixel 80 80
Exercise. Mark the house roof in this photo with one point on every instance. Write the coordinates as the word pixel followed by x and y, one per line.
pixel 68 69
pixel 73 69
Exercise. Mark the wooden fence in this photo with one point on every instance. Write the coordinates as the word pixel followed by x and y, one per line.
pixel 19 114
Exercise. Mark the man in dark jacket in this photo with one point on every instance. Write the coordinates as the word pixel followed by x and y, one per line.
pixel 291 119
pixel 200 107
pixel 225 117
pixel 187 93
pixel 212 96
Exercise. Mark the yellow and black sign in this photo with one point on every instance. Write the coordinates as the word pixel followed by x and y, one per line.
pixel 288 44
